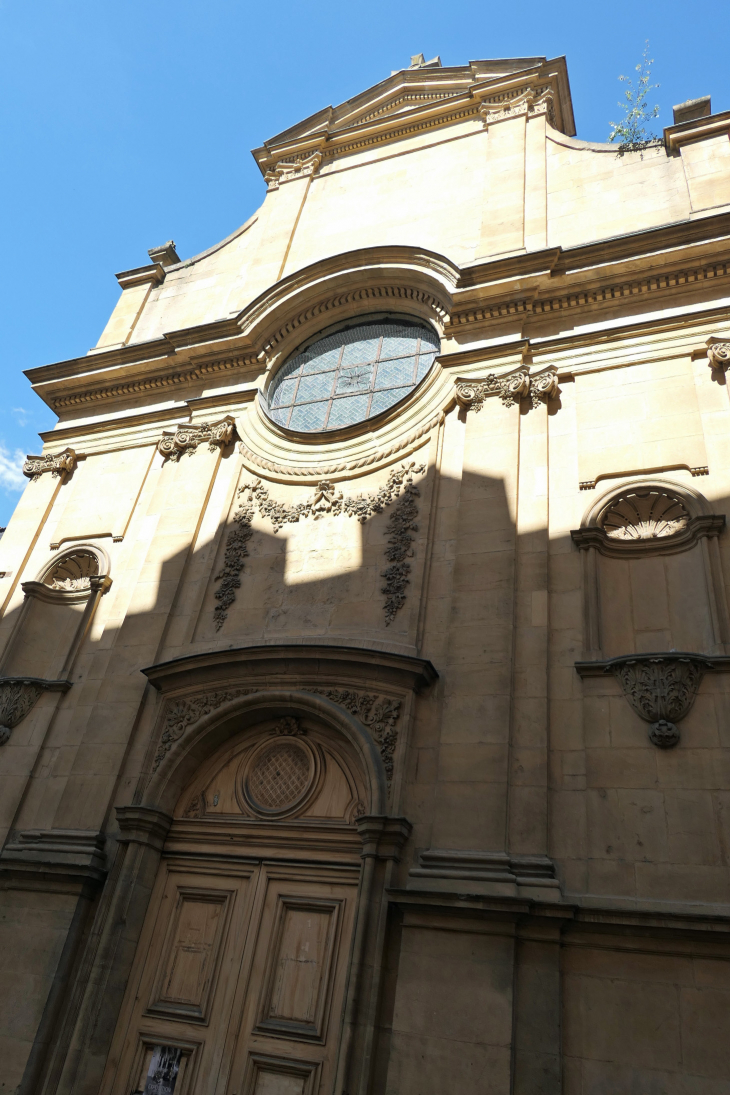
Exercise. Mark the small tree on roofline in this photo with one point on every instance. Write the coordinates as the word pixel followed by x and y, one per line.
pixel 631 132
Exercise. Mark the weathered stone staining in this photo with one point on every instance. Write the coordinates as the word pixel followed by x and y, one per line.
pixel 365 655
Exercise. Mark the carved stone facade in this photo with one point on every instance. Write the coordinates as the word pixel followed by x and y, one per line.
pixel 332 725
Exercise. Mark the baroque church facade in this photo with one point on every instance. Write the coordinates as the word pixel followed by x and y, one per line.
pixel 365 683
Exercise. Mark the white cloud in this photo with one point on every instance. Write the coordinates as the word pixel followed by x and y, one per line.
pixel 21 415
pixel 11 464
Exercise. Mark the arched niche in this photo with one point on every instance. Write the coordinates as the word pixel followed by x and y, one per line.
pixel 652 576
pixel 57 611
pixel 242 723
pixel 291 770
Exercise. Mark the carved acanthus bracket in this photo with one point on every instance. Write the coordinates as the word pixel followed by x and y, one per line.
pixel 531 102
pixel 59 464
pixel 18 696
pixel 285 170
pixel 326 501
pixel 187 438
pixel 661 688
pixel 510 387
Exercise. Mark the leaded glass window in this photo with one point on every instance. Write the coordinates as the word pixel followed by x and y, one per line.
pixel 352 375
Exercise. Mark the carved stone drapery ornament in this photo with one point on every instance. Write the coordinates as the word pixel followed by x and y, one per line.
pixel 18 696
pixel 60 463
pixel 326 500
pixel 661 687
pixel 377 713
pixel 187 438
pixel 511 388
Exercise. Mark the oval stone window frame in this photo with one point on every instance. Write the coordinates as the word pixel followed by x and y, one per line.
pixel 361 391
pixel 297 802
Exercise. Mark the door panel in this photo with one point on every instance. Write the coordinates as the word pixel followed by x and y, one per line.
pixel 183 982
pixel 191 955
pixel 297 978
pixel 293 1004
pixel 242 968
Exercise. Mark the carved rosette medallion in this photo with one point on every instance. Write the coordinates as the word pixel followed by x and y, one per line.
pixel 187 438
pixel 661 688
pixel 58 464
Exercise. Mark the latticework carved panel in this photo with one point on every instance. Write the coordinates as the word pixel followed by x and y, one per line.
pixel 279 776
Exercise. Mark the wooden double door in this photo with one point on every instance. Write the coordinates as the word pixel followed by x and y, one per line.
pixel 239 979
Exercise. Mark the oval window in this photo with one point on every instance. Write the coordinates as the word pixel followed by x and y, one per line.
pixel 352 375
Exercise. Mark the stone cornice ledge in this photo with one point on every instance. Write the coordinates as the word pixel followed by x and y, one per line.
pixel 719 663
pixel 573 910
pixel 70 856
pixel 485 872
pixel 241 663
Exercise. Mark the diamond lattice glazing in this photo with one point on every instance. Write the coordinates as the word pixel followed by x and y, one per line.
pixel 279 776
pixel 352 375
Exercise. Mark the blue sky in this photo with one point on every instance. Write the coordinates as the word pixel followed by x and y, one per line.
pixel 128 122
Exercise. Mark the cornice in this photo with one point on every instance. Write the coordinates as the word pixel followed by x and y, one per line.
pixel 698 129
pixel 402 279
pixel 238 663
pixel 142 275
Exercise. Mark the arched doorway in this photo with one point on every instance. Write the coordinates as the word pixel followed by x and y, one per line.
pixel 241 973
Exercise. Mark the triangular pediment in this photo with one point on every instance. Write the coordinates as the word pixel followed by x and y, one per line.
pixel 420 89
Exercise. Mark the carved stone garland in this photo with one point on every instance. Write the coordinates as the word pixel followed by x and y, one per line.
pixel 470 394
pixel 378 714
pixel 60 463
pixel 187 438
pixel 326 500
pixel 661 688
